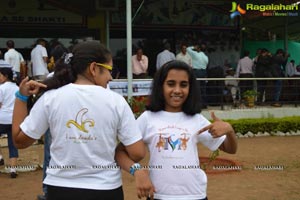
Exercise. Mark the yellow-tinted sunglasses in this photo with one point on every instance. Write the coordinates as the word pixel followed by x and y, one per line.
pixel 105 66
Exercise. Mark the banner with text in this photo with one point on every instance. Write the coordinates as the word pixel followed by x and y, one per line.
pixel 140 88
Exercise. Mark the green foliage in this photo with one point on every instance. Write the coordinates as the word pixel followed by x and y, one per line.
pixel 250 93
pixel 213 156
pixel 269 125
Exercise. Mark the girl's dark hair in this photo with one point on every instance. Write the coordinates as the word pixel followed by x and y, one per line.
pixel 192 104
pixel 84 53
pixel 7 72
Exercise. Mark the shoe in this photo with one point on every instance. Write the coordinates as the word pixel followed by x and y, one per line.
pixel 41 197
pixel 13 175
pixel 1 162
pixel 276 104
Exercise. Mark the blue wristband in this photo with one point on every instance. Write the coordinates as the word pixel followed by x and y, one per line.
pixel 21 97
pixel 134 167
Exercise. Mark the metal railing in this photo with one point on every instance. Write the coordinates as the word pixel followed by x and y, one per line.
pixel 217 93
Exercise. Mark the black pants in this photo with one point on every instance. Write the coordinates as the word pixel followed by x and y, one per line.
pixel 201 73
pixel 64 193
pixel 261 89
pixel 215 88
pixel 245 84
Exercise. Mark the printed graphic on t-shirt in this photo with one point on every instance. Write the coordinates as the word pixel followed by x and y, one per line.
pixel 81 123
pixel 173 138
pixel 167 141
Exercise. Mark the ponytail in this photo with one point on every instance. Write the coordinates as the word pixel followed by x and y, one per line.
pixel 63 75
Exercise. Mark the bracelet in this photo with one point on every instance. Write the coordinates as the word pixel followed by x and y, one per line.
pixel 21 97
pixel 134 167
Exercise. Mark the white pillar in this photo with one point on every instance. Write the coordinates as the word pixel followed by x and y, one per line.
pixel 129 47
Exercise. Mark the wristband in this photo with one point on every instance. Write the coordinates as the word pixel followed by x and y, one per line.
pixel 21 97
pixel 134 167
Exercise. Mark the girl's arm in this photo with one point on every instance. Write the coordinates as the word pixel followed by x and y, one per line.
pixel 27 88
pixel 20 112
pixel 230 143
pixel 219 128
pixel 143 183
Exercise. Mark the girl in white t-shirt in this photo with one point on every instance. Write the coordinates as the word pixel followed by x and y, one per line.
pixel 172 126
pixel 85 120
pixel 7 98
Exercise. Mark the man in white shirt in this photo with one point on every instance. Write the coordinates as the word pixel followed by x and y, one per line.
pixel 14 58
pixel 293 71
pixel 184 56
pixel 245 70
pixel 290 68
pixel 232 86
pixel 165 56
pixel 139 64
pixel 39 59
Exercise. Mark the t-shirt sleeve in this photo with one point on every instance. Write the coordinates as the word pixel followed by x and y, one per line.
pixel 206 139
pixel 1 95
pixel 142 123
pixel 128 132
pixel 36 123
pixel 44 52
pixel 21 57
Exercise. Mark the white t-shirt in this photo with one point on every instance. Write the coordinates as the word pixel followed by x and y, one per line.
pixel 7 101
pixel 185 58
pixel 14 58
pixel 86 122
pixel 164 57
pixel 39 66
pixel 174 162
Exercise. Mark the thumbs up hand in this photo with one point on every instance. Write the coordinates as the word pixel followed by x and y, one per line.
pixel 217 128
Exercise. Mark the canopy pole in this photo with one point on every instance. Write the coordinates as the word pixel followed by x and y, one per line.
pixel 107 29
pixel 129 48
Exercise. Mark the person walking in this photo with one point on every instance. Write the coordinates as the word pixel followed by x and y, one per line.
pixel 279 61
pixel 39 59
pixel 8 89
pixel 245 70
pixel 263 70
pixel 15 59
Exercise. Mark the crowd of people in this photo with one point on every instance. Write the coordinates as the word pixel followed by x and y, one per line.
pixel 263 65
pixel 201 58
